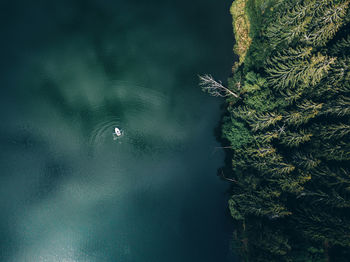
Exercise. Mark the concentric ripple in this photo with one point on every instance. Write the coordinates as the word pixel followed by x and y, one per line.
pixel 104 130
pixel 138 111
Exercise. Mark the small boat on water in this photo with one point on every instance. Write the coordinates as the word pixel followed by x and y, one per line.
pixel 117 133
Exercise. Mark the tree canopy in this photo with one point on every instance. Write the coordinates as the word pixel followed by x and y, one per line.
pixel 288 130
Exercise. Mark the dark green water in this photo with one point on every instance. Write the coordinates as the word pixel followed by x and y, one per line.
pixel 73 70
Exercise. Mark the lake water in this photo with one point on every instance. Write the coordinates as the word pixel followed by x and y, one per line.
pixel 72 71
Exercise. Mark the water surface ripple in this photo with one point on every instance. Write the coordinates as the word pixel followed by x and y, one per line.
pixel 72 71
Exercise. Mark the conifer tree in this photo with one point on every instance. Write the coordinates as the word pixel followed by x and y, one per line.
pixel 288 130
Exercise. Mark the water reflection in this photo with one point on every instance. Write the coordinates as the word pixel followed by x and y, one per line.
pixel 68 191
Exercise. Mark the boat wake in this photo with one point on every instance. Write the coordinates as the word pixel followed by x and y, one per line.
pixel 104 131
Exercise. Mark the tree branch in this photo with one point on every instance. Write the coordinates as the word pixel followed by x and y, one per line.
pixel 214 88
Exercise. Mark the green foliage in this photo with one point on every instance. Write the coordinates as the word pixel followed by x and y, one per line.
pixel 290 132
pixel 341 47
pixel 235 132
pixel 261 102
pixel 293 139
pixel 297 70
pixel 313 22
pixel 259 12
pixel 241 27
pixel 262 121
pixel 253 82
pixel 328 18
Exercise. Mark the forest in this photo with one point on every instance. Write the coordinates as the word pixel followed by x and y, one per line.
pixel 286 130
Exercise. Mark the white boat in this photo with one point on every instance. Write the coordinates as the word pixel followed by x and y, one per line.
pixel 117 131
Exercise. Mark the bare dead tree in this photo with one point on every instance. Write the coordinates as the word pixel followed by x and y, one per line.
pixel 226 178
pixel 223 147
pixel 220 147
pixel 213 87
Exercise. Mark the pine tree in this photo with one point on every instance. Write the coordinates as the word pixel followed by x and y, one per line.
pixel 329 18
pixel 288 131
